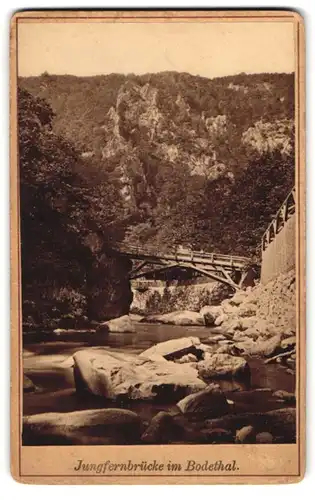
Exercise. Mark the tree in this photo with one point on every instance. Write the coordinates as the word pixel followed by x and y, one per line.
pixel 256 196
pixel 65 220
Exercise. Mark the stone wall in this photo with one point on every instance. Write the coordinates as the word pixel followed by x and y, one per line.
pixel 279 256
pixel 164 299
pixel 276 301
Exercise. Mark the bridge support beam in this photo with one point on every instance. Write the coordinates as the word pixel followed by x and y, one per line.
pixel 138 268
pixel 134 275
pixel 216 277
pixel 229 279
pixel 228 269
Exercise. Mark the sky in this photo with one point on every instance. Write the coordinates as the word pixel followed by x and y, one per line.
pixel 208 49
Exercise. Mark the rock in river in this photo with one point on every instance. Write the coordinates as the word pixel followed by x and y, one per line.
pixel 176 348
pixel 289 342
pixel 112 375
pixel 162 429
pixel 217 436
pixel 101 426
pixel 221 319
pixel 181 318
pixel 210 314
pixel 216 338
pixel 223 365
pixel 208 403
pixel 264 438
pixel 286 397
pixel 245 435
pixel 188 358
pixel 118 325
pixel 280 423
pixel 28 385
pixel 215 311
pixel 259 347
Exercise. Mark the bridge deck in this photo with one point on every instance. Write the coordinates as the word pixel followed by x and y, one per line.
pixel 184 256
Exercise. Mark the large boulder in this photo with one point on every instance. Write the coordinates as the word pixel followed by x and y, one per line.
pixel 215 311
pixel 226 349
pixel 208 403
pixel 137 318
pixel 114 376
pixel 162 429
pixel 63 332
pixel 232 325
pixel 180 318
pixel 210 314
pixel 243 336
pixel 117 325
pixel 80 335
pixel 87 427
pixel 251 333
pixel 284 396
pixel 209 319
pixel 176 348
pixel 55 368
pixel 89 374
pixel 280 423
pixel 288 342
pixel 221 319
pixel 238 298
pixel 231 311
pixel 259 347
pixel 223 365
pixel 188 358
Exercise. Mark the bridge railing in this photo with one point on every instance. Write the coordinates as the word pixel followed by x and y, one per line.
pixel 286 211
pixel 182 254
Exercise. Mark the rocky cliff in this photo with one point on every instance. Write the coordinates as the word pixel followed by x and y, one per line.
pixel 177 145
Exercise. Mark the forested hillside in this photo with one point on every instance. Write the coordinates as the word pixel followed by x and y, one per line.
pixel 191 160
pixel 69 222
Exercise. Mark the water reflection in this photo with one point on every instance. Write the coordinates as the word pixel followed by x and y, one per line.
pixel 42 360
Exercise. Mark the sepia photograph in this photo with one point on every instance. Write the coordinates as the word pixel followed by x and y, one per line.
pixel 159 186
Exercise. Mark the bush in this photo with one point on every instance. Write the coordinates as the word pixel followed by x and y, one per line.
pixel 71 302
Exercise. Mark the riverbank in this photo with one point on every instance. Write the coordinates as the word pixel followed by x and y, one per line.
pixel 50 366
pixel 223 374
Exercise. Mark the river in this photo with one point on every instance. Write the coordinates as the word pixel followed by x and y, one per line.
pixel 49 365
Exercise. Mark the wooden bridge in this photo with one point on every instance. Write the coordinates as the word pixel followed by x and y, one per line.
pixel 286 211
pixel 229 269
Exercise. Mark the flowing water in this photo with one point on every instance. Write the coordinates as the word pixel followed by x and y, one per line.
pixel 48 363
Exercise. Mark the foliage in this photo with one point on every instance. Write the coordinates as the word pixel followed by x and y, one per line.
pixel 82 103
pixel 255 198
pixel 71 300
pixel 187 151
pixel 64 217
